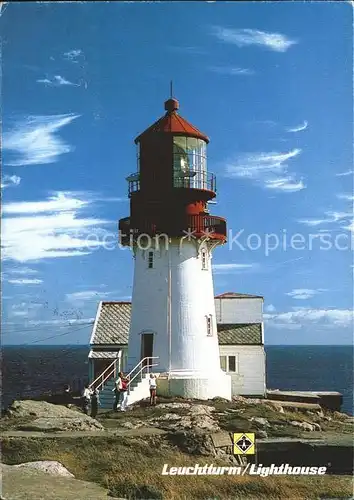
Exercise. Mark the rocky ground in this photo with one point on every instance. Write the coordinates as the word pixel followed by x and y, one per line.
pixel 141 440
pixel 268 419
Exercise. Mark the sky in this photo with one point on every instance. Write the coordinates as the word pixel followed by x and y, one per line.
pixel 271 86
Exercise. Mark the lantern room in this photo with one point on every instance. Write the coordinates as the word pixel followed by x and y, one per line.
pixel 170 191
pixel 171 154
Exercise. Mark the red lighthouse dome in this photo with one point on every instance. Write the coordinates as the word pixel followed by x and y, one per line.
pixel 170 191
pixel 173 123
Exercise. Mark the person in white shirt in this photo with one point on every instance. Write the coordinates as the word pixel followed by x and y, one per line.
pixel 117 393
pixel 152 387
pixel 86 399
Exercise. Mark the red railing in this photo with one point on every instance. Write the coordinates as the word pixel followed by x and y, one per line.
pixel 196 226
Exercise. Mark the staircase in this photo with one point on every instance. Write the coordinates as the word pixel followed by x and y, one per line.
pixel 138 390
pixel 138 386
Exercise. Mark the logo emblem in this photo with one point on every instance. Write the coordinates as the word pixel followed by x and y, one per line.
pixel 244 444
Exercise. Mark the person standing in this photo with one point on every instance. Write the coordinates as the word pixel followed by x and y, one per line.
pixel 67 395
pixel 95 401
pixel 152 387
pixel 117 392
pixel 123 389
pixel 86 399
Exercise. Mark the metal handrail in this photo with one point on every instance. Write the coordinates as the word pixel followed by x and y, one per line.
pixel 114 363
pixel 141 361
pixel 106 378
pixel 140 371
pixel 104 371
pixel 142 368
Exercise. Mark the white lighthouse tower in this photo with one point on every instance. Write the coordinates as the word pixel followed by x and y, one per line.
pixel 173 236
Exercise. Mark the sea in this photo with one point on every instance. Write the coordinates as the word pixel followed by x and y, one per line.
pixel 29 371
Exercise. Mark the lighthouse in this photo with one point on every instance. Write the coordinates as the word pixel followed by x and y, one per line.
pixel 172 236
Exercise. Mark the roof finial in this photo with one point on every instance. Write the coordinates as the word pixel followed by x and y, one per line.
pixel 171 104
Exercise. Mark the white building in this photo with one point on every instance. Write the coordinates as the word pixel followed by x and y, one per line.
pixel 239 322
pixel 241 342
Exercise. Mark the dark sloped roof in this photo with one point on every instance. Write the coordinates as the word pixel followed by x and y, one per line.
pixel 112 324
pixel 233 295
pixel 240 334
pixel 113 321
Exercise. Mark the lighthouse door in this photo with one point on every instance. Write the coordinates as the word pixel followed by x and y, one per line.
pixel 147 341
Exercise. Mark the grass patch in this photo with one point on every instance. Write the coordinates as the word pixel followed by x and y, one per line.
pixel 131 468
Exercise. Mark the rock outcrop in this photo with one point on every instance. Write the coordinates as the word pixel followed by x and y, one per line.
pixel 44 417
pixel 305 426
pixel 50 466
pixel 30 483
pixel 199 418
pixel 37 409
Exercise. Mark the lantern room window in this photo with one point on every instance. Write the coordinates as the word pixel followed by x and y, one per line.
pixel 189 162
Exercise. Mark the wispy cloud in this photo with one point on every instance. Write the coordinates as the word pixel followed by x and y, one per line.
pixel 338 216
pixel 305 293
pixel 22 271
pixel 270 170
pixel 246 37
pixel 330 218
pixel 60 202
pixel 10 181
pixel 73 55
pixel 57 81
pixel 343 174
pixel 25 310
pixel 347 197
pixel 349 227
pixel 304 317
pixel 35 141
pixel 86 296
pixel 232 267
pixel 313 222
pixel 25 281
pixel 231 71
pixel 55 227
pixel 62 322
pixel 289 184
pixel 298 128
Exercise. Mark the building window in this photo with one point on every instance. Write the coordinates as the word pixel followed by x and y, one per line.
pixel 209 320
pixel 232 363
pixel 151 260
pixel 204 259
pixel 223 363
pixel 229 364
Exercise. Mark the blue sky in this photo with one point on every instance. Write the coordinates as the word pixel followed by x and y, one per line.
pixel 270 84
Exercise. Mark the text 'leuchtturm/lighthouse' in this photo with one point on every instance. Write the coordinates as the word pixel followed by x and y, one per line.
pixel 173 235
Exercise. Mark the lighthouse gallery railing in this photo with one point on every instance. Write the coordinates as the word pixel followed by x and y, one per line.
pixel 197 224
pixel 188 180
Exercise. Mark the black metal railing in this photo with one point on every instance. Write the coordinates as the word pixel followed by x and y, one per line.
pixel 195 180
pixel 186 180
